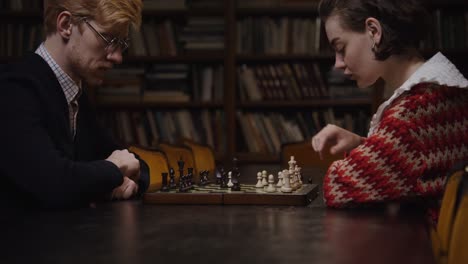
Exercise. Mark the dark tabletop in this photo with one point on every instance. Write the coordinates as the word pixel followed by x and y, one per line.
pixel 131 232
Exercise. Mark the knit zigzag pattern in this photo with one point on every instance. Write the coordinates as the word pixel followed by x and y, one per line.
pixel 420 137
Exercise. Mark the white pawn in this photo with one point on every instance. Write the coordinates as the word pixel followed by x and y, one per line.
pixel 264 178
pixel 271 188
pixel 299 174
pixel 259 180
pixel 280 179
pixel 286 188
pixel 230 184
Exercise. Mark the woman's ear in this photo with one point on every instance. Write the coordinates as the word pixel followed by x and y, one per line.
pixel 64 24
pixel 374 28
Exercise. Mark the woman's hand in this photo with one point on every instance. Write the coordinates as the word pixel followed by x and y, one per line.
pixel 336 139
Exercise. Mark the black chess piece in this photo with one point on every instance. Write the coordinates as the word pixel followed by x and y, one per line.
pixel 235 175
pixel 218 174
pixel 224 179
pixel 164 187
pixel 181 163
pixel 204 178
pixel 190 177
pixel 172 182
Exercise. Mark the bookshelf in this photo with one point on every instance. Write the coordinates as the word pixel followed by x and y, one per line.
pixel 283 74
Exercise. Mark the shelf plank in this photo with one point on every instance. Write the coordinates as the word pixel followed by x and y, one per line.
pixel 308 11
pixel 307 103
pixel 186 12
pixel 18 15
pixel 215 56
pixel 246 58
pixel 141 105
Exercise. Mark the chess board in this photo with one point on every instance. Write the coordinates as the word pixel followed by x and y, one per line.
pixel 248 195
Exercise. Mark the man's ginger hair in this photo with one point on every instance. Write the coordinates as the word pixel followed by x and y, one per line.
pixel 109 14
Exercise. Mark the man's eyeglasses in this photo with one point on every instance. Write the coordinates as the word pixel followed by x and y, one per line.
pixel 113 44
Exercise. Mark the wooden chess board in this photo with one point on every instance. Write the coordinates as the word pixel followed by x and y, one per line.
pixel 248 195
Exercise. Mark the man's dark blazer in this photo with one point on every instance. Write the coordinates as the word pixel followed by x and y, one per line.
pixel 40 164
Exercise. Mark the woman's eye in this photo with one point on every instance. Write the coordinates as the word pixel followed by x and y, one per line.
pixel 340 50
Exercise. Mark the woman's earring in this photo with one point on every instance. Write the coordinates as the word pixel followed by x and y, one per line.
pixel 373 45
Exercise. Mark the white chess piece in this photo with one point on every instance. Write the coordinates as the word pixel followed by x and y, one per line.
pixel 259 180
pixel 299 175
pixel 292 179
pixel 280 179
pixel 264 178
pixel 230 184
pixel 271 180
pixel 286 188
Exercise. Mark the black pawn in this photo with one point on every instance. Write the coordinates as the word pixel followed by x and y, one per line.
pixel 172 183
pixel 224 180
pixel 190 176
pixel 235 174
pixel 164 187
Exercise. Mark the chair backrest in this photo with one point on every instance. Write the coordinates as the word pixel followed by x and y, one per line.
pixel 305 155
pixel 203 155
pixel 458 245
pixel 176 153
pixel 447 239
pixel 157 163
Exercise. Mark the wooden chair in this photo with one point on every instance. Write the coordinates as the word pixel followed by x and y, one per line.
pixel 305 155
pixel 203 155
pixel 174 153
pixel 451 234
pixel 157 163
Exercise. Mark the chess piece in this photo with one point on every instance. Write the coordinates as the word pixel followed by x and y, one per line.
pixel 223 179
pixel 190 177
pixel 264 178
pixel 259 180
pixel 204 178
pixel 297 171
pixel 271 188
pixel 180 163
pixel 165 187
pixel 230 184
pixel 286 188
pixel 280 179
pixel 292 175
pixel 218 174
pixel 172 182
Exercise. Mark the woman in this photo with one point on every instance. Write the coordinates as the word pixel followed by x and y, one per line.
pixel 418 134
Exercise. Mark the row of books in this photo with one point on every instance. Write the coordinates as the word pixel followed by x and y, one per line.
pixel 294 81
pixel 266 132
pixel 21 5
pixel 281 81
pixel 163 83
pixel 450 30
pixel 265 35
pixel 187 4
pixel 180 4
pixel 262 35
pixel 16 39
pixel 166 38
pixel 149 127
pixel 260 132
pixel 276 3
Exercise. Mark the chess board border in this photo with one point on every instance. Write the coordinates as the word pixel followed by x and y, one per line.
pixel 301 197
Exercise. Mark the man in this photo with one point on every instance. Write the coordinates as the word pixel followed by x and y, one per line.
pixel 54 153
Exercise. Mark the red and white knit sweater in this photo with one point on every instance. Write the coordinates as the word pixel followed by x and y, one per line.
pixel 420 136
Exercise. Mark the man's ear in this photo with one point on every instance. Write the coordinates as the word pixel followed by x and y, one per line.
pixel 64 24
pixel 374 28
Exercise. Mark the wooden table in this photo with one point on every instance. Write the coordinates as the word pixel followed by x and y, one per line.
pixel 130 232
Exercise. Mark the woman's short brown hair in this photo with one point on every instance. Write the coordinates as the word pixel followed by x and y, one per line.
pixel 404 22
pixel 109 14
